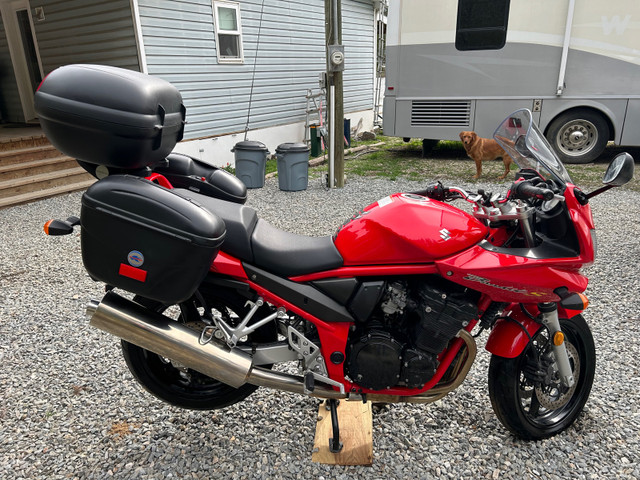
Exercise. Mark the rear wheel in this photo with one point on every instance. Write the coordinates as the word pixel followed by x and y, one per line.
pixel 526 393
pixel 181 386
pixel 578 136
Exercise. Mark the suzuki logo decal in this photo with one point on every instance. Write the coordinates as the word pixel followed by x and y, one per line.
pixel 445 234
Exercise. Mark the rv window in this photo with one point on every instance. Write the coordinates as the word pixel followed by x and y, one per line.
pixel 228 32
pixel 482 24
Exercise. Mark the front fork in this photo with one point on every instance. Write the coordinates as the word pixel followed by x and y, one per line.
pixel 549 313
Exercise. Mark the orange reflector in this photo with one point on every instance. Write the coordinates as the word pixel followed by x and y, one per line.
pixel 558 338
pixel 46 226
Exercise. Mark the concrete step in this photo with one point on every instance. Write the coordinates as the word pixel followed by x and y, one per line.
pixel 31 169
pixel 34 167
pixel 8 144
pixel 42 194
pixel 27 154
pixel 43 181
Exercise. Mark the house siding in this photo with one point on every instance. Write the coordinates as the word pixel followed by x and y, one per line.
pixel 179 41
pixel 10 106
pixel 87 31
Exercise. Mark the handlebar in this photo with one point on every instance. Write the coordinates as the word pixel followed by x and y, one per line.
pixel 436 191
pixel 498 208
pixel 525 189
pixel 522 189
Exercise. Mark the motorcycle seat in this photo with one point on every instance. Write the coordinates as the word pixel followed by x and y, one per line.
pixel 289 254
pixel 238 219
pixel 255 241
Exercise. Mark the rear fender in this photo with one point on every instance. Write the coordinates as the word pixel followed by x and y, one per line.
pixel 509 337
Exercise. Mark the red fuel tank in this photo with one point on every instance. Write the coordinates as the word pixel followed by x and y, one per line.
pixel 407 228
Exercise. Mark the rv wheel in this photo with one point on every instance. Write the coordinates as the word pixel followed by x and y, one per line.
pixel 578 136
pixel 428 145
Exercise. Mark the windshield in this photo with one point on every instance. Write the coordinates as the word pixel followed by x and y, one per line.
pixel 526 145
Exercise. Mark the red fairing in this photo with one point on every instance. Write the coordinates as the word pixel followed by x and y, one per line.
pixel 227 265
pixel 513 278
pixel 508 339
pixel 407 228
pixel 582 219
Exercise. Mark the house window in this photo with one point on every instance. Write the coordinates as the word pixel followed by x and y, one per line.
pixel 482 24
pixel 228 32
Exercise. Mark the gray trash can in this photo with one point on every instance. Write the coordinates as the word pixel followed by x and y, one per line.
pixel 293 166
pixel 251 160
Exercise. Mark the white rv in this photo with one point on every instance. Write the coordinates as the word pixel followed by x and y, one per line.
pixel 456 65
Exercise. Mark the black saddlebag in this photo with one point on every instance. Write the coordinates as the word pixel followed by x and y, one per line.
pixel 187 172
pixel 146 239
pixel 110 116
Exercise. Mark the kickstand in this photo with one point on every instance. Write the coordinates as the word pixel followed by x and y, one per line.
pixel 335 445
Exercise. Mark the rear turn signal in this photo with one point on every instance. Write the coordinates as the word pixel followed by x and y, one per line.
pixel 46 226
pixel 61 227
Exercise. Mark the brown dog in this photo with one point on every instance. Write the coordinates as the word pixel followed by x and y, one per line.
pixel 481 149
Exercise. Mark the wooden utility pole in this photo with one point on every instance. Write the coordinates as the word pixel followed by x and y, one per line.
pixel 335 90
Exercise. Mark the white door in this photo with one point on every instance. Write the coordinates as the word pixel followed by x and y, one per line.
pixel 18 24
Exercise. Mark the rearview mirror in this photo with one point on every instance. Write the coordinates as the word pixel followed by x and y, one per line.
pixel 620 170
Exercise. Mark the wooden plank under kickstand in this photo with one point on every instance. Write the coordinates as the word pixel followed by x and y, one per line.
pixel 356 434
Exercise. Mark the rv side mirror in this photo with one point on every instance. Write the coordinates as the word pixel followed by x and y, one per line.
pixel 620 170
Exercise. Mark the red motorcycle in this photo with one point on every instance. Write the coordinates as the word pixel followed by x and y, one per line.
pixel 383 310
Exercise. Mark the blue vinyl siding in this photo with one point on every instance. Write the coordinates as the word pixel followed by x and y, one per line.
pixel 86 31
pixel 179 42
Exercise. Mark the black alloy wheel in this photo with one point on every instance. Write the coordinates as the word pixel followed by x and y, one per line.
pixel 526 393
pixel 187 388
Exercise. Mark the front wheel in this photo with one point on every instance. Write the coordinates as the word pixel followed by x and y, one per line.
pixel 526 393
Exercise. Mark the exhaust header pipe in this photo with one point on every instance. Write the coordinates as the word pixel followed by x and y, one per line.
pixel 160 334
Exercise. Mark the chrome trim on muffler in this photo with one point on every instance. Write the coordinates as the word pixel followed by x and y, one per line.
pixel 162 335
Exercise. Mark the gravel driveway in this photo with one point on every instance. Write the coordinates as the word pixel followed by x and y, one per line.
pixel 70 408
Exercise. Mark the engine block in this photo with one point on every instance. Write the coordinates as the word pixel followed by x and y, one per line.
pixel 441 314
pixel 413 323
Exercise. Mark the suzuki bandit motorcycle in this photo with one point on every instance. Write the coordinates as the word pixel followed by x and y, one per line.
pixel 386 309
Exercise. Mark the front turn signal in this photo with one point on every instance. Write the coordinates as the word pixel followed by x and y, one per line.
pixel 575 301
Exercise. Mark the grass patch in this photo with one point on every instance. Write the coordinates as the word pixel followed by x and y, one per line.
pixel 448 161
pixel 272 166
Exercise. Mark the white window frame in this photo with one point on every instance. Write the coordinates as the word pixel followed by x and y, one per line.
pixel 235 6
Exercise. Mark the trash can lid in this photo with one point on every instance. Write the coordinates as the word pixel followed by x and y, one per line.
pixel 250 145
pixel 292 147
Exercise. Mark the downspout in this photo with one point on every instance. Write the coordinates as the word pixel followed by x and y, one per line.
pixel 137 26
pixel 565 48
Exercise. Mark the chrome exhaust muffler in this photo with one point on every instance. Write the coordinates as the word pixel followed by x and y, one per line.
pixel 166 337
